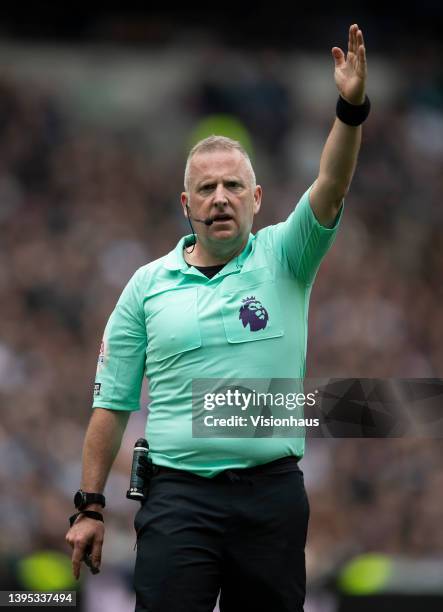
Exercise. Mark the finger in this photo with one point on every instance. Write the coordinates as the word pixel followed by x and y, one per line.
pixel 360 40
pixel 69 540
pixel 350 39
pixel 353 38
pixel 96 555
pixel 361 57
pixel 88 562
pixel 338 55
pixel 77 557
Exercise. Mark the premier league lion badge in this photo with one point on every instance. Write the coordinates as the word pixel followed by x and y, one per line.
pixel 252 313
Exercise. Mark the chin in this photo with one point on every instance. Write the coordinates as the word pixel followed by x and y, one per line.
pixel 225 234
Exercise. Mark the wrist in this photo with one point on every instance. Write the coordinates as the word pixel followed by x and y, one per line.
pixel 97 516
pixel 358 101
pixel 352 114
pixel 85 499
pixel 94 507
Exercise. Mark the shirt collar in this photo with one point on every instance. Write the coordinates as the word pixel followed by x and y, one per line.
pixel 174 260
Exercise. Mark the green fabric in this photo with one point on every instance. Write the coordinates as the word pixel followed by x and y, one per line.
pixel 173 325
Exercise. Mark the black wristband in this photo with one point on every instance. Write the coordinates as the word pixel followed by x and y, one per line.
pixel 352 114
pixel 89 513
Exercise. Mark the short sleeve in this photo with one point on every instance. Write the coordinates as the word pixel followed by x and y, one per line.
pixel 121 362
pixel 301 241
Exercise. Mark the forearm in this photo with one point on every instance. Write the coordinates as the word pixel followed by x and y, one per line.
pixel 337 165
pixel 339 157
pixel 102 442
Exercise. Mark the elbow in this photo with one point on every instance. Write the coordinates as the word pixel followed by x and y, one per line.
pixel 336 199
pixel 339 193
pixel 336 190
pixel 336 202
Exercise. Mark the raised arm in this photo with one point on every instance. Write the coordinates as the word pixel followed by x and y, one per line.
pixel 339 156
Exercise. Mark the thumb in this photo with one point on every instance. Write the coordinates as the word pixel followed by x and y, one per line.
pixel 338 55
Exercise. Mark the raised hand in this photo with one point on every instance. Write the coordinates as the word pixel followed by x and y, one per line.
pixel 350 70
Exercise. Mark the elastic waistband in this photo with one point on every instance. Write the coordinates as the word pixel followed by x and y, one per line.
pixel 284 464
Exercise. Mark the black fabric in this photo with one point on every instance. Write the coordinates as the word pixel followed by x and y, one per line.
pixel 209 271
pixel 352 114
pixel 242 533
pixel 89 513
pixel 279 466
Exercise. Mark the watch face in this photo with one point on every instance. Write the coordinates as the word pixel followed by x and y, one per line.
pixel 78 499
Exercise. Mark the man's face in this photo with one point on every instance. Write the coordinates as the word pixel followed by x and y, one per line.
pixel 220 187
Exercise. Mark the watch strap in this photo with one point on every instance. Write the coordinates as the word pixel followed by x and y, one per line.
pixel 91 498
pixel 89 513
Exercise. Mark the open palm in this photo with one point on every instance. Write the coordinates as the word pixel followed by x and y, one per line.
pixel 350 71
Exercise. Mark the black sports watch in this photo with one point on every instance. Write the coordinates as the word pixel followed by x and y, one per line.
pixel 83 499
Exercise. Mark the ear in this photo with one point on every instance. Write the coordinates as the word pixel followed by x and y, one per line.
pixel 258 192
pixel 185 202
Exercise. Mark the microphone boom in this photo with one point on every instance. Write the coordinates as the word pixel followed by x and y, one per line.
pixel 208 221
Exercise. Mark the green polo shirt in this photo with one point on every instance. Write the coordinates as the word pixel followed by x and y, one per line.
pixel 173 324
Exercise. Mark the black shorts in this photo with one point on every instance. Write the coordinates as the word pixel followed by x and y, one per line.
pixel 242 533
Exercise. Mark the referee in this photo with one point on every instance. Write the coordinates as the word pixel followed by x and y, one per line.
pixel 223 514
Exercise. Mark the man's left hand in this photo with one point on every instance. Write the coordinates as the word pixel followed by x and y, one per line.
pixel 350 71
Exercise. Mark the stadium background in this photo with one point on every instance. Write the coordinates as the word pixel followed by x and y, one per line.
pixel 97 111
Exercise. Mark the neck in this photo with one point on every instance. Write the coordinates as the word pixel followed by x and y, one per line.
pixel 204 257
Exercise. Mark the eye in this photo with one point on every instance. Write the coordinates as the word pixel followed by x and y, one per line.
pixel 206 188
pixel 233 184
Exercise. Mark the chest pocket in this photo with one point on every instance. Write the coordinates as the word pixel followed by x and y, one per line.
pixel 251 307
pixel 172 324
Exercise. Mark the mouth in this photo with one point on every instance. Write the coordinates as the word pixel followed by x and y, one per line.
pixel 221 217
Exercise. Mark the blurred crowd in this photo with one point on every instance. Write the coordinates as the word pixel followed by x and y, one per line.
pixel 82 207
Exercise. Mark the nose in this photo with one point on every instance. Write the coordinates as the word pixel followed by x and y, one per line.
pixel 220 198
